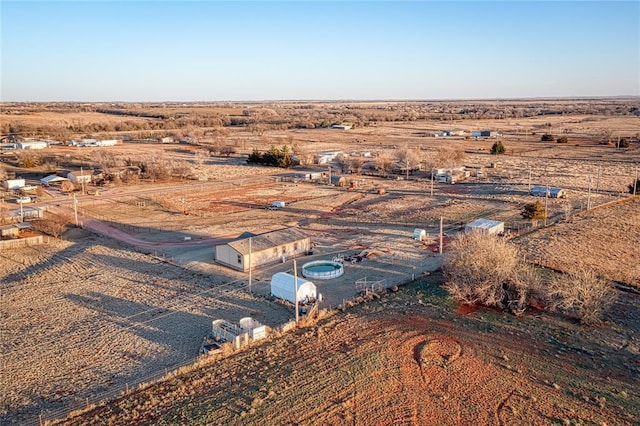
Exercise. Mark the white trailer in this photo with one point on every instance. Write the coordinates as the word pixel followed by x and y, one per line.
pixel 11 184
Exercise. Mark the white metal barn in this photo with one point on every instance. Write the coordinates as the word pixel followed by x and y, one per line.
pixel 282 285
pixel 548 191
pixel 484 225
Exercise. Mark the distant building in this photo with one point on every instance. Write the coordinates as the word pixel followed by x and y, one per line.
pixel 80 177
pixel 342 126
pixel 326 157
pixel 32 145
pixel 12 184
pixel 485 134
pixel 548 191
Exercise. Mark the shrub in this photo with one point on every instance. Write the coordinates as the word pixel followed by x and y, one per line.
pixel 637 187
pixel 497 148
pixel 547 138
pixel 278 157
pixel 581 293
pixel 562 139
pixel 485 269
pixel 534 211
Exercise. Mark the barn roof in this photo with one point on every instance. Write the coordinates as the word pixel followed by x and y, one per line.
pixel 268 240
pixel 52 178
pixel 484 224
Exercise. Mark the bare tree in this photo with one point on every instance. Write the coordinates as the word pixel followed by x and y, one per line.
pixel 582 293
pixel 355 164
pixel 486 269
pixel 408 157
pixel 67 186
pixel 53 225
pixel 384 162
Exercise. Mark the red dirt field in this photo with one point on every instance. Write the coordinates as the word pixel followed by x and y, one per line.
pixel 406 359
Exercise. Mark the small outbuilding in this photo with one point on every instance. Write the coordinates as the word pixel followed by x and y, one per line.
pixel 83 176
pixel 282 286
pixel 419 234
pixel 484 225
pixel 548 191
pixel 338 180
pixel 46 181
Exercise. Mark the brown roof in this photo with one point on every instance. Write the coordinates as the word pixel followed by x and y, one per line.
pixel 268 240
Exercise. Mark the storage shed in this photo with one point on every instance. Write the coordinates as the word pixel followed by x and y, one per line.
pixel 484 225
pixel 338 180
pixel 282 286
pixel 256 330
pixel 419 234
pixel 548 191
pixel 45 181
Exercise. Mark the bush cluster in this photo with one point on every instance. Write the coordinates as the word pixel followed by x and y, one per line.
pixel 277 157
pixel 485 269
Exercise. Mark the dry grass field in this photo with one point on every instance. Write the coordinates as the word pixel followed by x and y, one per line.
pixel 107 309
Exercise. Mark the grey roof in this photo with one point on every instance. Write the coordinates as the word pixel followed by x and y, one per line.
pixel 268 240
pixel 52 178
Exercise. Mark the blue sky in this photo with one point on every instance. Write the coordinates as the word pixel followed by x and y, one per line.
pixel 216 51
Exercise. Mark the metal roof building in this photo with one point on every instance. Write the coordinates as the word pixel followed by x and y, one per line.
pixel 267 248
pixel 484 225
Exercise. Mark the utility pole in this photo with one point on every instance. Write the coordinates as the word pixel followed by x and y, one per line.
pixel 432 182
pixel 407 169
pixel 529 180
pixel 589 195
pixel 249 265
pixel 329 175
pixel 635 182
pixel 75 208
pixel 21 212
pixel 82 179
pixel 598 181
pixel 441 232
pixel 295 286
pixel 546 203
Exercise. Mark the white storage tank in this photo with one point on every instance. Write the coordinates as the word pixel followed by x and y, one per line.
pixel 282 285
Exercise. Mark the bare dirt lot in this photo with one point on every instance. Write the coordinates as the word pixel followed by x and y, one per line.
pixel 131 296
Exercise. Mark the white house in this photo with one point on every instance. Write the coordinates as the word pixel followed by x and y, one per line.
pixel 326 157
pixel 80 177
pixel 32 145
pixel 263 249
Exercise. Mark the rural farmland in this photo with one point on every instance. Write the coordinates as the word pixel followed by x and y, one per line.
pixel 119 298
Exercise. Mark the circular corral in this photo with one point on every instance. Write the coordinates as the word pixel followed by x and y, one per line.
pixel 322 269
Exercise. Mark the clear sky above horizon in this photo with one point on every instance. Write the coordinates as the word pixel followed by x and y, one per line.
pixel 216 51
